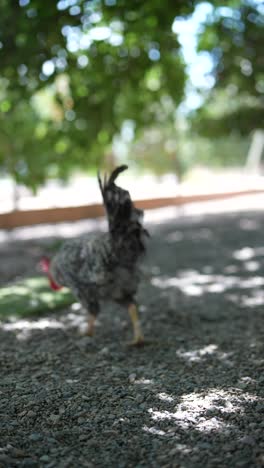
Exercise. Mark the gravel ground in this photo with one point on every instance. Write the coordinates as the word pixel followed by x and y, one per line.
pixel 192 397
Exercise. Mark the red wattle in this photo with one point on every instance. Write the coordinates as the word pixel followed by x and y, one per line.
pixel 45 266
pixel 53 284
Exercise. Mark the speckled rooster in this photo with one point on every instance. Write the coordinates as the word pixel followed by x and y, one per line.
pixel 105 266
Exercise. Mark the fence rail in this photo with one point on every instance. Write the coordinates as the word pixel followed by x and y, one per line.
pixel 75 213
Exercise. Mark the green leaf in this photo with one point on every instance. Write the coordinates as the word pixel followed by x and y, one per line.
pixel 32 296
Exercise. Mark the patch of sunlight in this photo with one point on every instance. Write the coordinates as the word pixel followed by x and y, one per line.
pixel 192 290
pixel 153 430
pixel 185 286
pixel 196 409
pixel 252 265
pixel 76 306
pixel 160 415
pixel 244 254
pixel 253 282
pixel 216 288
pixel 247 253
pixel 143 381
pixel 214 424
pixel 256 300
pixel 197 354
pixel 40 324
pixel 194 283
pixel 164 397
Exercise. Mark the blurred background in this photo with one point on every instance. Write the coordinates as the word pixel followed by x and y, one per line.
pixel 173 89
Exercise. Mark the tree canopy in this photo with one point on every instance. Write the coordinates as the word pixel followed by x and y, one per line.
pixel 97 63
pixel 72 72
pixel 233 36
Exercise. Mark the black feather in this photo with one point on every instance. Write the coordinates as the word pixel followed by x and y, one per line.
pixel 116 173
pixel 124 218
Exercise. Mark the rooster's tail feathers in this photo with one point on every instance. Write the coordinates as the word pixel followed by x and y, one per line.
pixel 106 184
pixel 117 201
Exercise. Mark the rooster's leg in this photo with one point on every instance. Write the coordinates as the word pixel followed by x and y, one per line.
pixel 138 335
pixel 91 322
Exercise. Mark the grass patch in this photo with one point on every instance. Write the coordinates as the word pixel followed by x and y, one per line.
pixel 32 296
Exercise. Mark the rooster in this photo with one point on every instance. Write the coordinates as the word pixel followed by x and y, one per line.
pixel 105 266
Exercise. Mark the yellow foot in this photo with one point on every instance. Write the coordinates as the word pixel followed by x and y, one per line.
pixel 86 332
pixel 142 342
pixel 89 331
pixel 138 341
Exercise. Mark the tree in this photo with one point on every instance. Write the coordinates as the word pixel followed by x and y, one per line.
pixel 163 149
pixel 101 62
pixel 233 36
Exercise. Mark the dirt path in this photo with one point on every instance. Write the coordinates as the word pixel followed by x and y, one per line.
pixel 192 398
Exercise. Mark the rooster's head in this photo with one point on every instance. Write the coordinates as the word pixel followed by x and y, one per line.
pixel 45 267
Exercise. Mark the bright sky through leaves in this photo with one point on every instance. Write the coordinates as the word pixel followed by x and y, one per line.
pixel 198 65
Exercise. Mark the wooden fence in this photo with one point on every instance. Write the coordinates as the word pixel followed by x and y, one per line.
pixel 56 215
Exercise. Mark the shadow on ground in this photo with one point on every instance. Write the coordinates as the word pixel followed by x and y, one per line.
pixel 193 397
